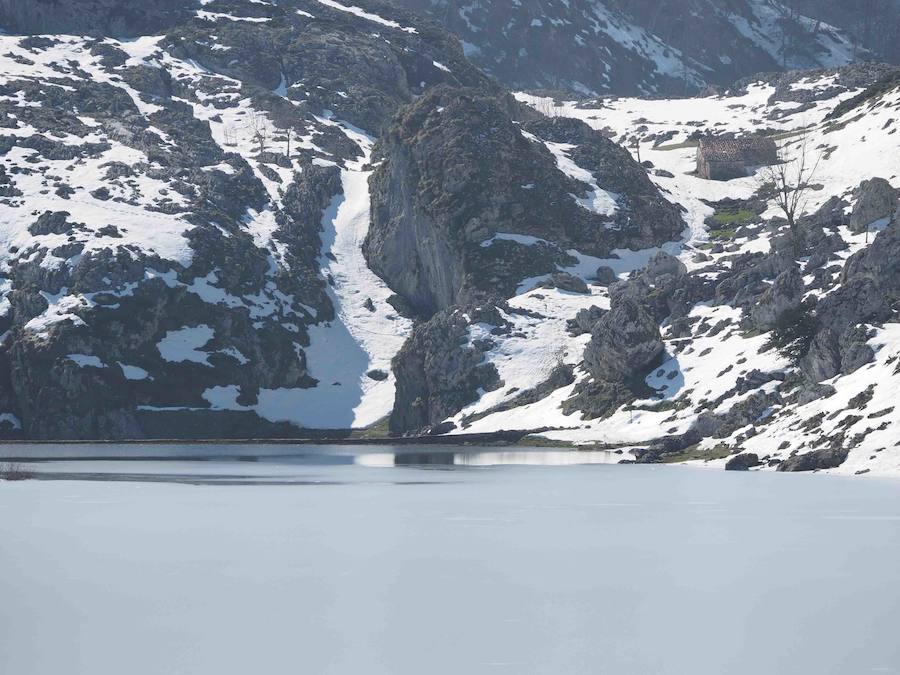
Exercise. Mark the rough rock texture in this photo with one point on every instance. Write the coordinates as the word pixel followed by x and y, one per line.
pixel 828 458
pixel 782 297
pixel 870 285
pixel 439 371
pixel 877 200
pixel 179 271
pixel 743 462
pixel 93 17
pixel 458 172
pixel 625 343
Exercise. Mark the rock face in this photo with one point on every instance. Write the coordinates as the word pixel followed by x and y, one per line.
pixel 274 217
pixel 465 205
pixel 624 344
pixel 165 260
pixel 877 201
pixel 439 372
pixel 743 462
pixel 870 285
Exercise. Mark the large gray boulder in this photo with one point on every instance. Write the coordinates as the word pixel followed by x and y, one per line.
pixel 827 458
pixel 783 296
pixel 742 462
pixel 624 344
pixel 877 200
pixel 664 268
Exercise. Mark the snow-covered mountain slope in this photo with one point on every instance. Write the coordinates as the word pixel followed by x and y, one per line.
pixel 281 217
pixel 187 232
pixel 182 216
pixel 783 347
pixel 645 47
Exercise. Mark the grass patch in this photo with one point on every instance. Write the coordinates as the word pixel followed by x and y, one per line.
pixel 723 233
pixel 734 217
pixel 536 441
pixel 694 452
pixel 380 429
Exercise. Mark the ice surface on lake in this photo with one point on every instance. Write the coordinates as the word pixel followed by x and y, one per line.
pixel 382 563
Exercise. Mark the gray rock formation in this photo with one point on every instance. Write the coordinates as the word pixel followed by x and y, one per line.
pixel 458 172
pixel 247 282
pixel 743 462
pixel 624 344
pixel 94 17
pixel 828 458
pixel 439 371
pixel 877 200
pixel 598 47
pixel 585 320
pixel 782 298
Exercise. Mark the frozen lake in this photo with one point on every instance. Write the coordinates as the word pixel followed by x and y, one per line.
pixel 328 561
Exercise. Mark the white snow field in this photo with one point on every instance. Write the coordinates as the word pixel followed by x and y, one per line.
pixel 345 568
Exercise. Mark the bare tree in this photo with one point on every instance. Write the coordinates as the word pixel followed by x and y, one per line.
pixel 789 182
pixel 230 136
pixel 546 106
pixel 259 130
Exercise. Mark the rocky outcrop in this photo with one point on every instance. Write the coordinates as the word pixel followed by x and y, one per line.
pixel 870 285
pixel 465 206
pixel 598 47
pixel 585 320
pixel 624 344
pixel 828 458
pixel 189 280
pixel 440 371
pixel 643 218
pixel 782 298
pixel 876 201
pixel 742 462
pixel 875 271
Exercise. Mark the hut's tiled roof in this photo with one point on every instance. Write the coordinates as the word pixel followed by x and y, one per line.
pixel 735 149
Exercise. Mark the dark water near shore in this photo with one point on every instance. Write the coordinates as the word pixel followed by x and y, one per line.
pixel 441 561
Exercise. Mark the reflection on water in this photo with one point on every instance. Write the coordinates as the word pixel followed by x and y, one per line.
pixel 290 465
pixel 490 458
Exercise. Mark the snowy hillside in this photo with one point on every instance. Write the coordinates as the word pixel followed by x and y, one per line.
pixel 181 223
pixel 274 219
pixel 636 47
pixel 717 361
pixel 187 231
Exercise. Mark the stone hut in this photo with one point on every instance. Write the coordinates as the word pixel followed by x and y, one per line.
pixel 727 158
